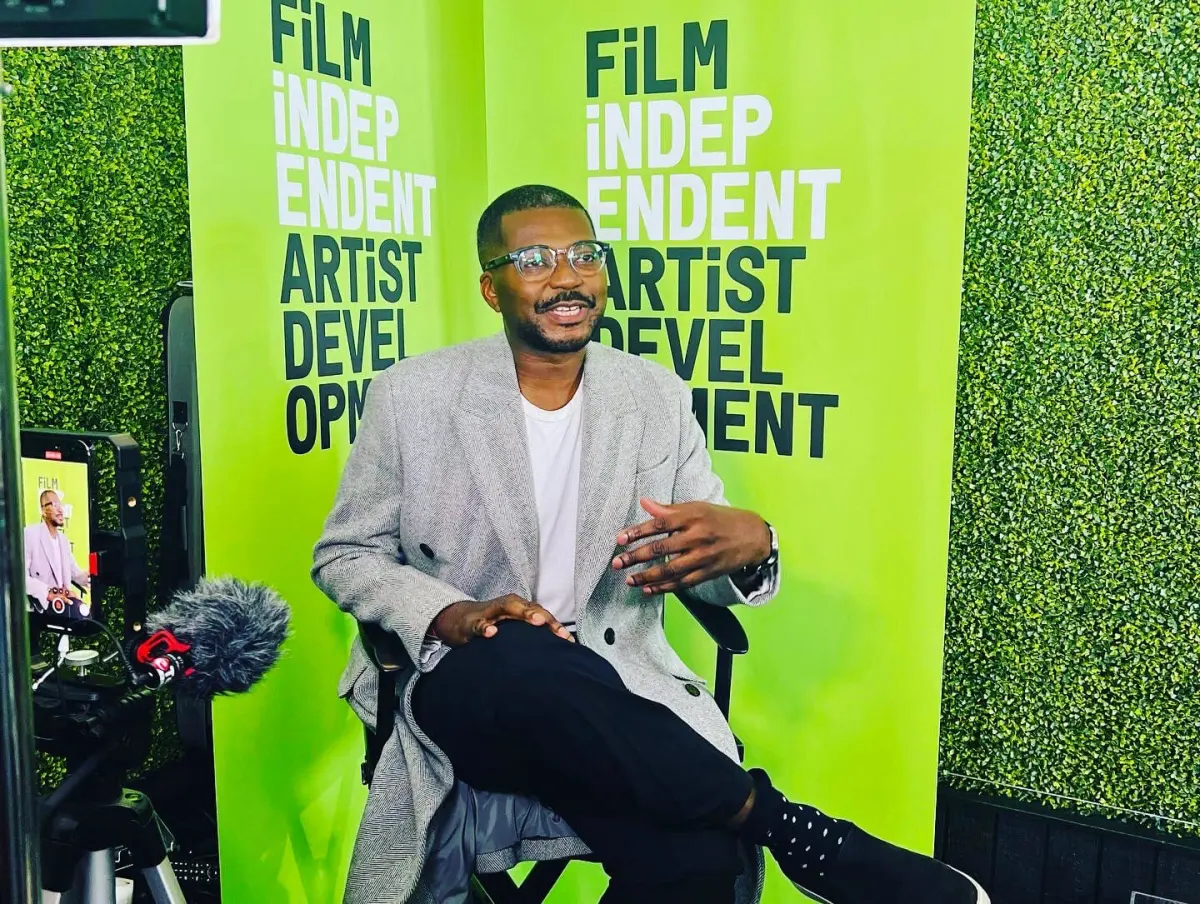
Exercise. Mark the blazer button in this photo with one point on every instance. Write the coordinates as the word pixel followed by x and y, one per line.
pixel 424 547
pixel 610 637
pixel 692 689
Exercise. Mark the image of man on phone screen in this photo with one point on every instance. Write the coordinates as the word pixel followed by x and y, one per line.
pixel 50 566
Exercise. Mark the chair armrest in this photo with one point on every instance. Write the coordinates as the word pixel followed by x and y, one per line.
pixel 383 648
pixel 718 622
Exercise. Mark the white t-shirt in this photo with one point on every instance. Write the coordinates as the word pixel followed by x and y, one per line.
pixel 555 439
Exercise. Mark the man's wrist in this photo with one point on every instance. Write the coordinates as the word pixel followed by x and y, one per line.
pixel 767 559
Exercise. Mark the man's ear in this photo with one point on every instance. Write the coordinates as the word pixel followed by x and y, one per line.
pixel 487 288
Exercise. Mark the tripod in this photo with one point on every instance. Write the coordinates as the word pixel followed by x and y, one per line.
pixel 78 856
pixel 91 813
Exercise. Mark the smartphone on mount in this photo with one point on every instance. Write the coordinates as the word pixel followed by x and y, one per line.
pixel 56 483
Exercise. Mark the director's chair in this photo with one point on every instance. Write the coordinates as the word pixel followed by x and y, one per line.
pixel 387 654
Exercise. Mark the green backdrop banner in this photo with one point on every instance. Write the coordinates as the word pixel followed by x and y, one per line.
pixel 784 184
pixel 324 227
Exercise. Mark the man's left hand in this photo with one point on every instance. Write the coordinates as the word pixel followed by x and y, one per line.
pixel 704 541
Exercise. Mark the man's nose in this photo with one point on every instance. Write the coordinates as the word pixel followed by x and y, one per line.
pixel 564 275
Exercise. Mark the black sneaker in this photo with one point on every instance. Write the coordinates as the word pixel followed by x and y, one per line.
pixel 868 870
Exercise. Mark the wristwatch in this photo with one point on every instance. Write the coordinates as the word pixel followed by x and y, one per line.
pixel 763 568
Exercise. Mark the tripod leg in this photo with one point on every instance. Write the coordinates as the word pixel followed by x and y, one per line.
pixel 164 887
pixel 99 885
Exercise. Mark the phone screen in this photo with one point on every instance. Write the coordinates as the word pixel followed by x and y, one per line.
pixel 57 523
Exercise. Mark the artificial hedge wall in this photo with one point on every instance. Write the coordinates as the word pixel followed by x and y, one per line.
pixel 97 181
pixel 1073 640
pixel 1073 637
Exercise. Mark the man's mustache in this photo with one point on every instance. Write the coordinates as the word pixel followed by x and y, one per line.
pixel 543 306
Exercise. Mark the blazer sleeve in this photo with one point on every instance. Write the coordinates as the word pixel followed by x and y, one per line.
pixel 358 562
pixel 695 480
pixel 78 575
pixel 33 587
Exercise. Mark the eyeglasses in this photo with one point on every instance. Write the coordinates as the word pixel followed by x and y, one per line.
pixel 538 262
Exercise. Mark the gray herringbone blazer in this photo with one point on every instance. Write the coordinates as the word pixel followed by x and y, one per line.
pixel 436 505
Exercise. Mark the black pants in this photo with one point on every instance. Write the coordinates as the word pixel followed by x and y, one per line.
pixel 527 712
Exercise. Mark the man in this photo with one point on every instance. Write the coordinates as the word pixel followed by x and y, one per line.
pixel 50 567
pixel 514 509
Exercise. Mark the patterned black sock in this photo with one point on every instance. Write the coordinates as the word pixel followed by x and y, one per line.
pixel 801 837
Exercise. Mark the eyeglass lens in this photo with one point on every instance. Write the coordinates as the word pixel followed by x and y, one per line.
pixel 538 262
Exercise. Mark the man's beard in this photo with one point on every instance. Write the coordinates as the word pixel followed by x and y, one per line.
pixel 530 331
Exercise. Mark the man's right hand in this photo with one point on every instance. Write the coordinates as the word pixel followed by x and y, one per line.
pixel 462 622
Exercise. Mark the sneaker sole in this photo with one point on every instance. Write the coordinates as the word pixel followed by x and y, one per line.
pixel 810 894
pixel 981 895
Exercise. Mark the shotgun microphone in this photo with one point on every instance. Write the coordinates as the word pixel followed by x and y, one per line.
pixel 219 638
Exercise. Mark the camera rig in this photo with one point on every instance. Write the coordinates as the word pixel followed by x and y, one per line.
pixel 97 720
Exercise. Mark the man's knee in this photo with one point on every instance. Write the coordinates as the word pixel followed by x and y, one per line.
pixel 534 653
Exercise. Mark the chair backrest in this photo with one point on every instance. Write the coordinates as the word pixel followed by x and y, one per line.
pixel 383 648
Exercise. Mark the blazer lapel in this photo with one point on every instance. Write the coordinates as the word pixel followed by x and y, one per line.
pixel 491 429
pixel 611 440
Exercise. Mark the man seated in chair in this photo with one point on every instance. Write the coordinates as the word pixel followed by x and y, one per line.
pixel 514 510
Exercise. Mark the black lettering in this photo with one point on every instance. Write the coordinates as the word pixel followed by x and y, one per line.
pixel 372 288
pixel 723 419
pixel 685 362
pixel 685 257
pixel 297 368
pixel 733 266
pixel 412 249
pixel 816 435
pixel 631 53
pixel 295 270
pixel 357 391
pixel 302 434
pixel 328 259
pixel 757 374
pixel 306 42
pixel 379 339
pixel 613 328
pixel 326 343
pixel 354 245
pixel 400 335
pixel 714 281
pixel 698 49
pixel 786 255
pixel 640 278
pixel 324 66
pixel 333 406
pixel 700 407
pixel 389 251
pixel 718 350
pixel 616 292
pixel 638 345
pixel 779 424
pixel 651 83
pixel 356 45
pixel 597 62
pixel 356 339
pixel 281 27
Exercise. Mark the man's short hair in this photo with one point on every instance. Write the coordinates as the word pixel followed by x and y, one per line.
pixel 45 493
pixel 524 197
